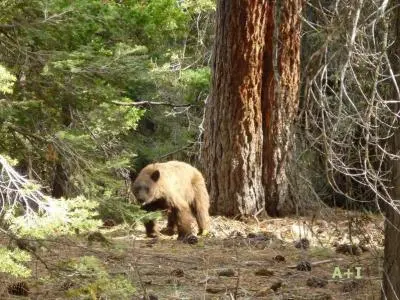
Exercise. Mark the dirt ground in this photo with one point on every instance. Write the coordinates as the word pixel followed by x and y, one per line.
pixel 290 258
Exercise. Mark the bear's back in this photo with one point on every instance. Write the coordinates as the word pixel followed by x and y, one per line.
pixel 177 171
pixel 178 177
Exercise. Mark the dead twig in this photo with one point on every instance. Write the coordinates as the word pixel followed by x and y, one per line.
pixel 145 296
pixel 316 263
pixel 150 103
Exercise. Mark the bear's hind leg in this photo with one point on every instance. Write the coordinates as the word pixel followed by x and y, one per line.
pixel 202 218
pixel 201 205
pixel 183 222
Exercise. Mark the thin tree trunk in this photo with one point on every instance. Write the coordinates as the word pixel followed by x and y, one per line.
pixel 60 181
pixel 232 148
pixel 280 99
pixel 391 265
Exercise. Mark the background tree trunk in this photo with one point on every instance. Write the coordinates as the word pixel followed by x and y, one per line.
pixel 251 108
pixel 60 179
pixel 280 99
pixel 391 265
pixel 232 148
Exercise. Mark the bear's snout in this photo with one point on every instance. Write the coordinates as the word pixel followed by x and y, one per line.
pixel 158 204
pixel 140 200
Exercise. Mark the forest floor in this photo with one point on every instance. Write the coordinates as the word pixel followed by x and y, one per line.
pixel 252 260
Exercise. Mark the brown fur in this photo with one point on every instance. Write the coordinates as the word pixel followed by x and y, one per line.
pixel 178 188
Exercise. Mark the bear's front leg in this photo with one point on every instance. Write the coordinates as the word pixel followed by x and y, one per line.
pixel 171 224
pixel 151 229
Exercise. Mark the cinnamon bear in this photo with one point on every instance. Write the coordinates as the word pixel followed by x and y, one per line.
pixel 178 188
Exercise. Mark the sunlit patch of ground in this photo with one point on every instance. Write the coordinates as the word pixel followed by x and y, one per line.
pixel 253 260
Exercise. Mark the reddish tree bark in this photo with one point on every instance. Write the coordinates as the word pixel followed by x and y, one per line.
pixel 246 109
pixel 232 148
pixel 280 100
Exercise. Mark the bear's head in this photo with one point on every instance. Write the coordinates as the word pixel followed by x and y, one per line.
pixel 145 185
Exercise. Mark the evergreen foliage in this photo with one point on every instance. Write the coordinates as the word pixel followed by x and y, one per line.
pixel 71 63
pixel 97 282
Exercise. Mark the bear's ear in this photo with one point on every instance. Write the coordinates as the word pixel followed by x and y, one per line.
pixel 155 175
pixel 132 175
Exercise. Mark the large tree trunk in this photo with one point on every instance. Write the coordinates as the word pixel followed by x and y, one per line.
pixel 391 265
pixel 232 148
pixel 280 99
pixel 246 110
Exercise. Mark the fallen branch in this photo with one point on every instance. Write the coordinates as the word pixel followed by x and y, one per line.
pixel 15 188
pixel 25 244
pixel 150 103
pixel 316 263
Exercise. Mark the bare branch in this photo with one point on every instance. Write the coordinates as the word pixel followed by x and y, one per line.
pixel 348 112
